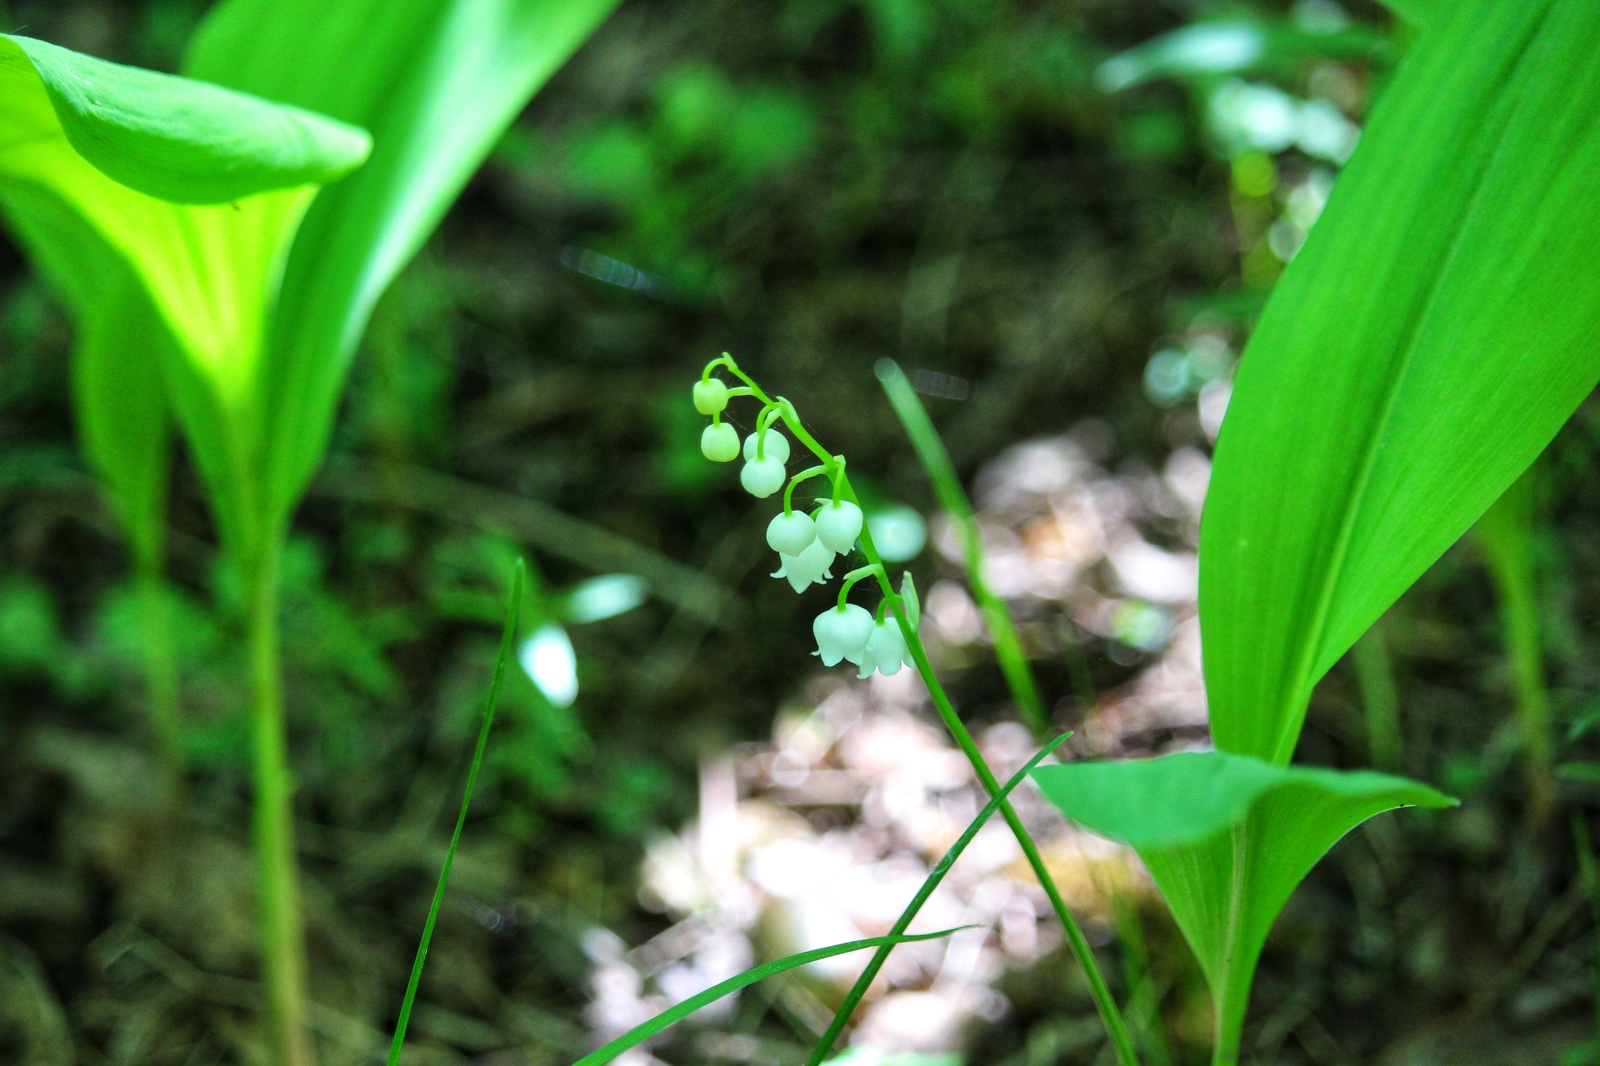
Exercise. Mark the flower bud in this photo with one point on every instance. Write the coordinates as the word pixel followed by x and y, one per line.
pixel 885 652
pixel 792 533
pixel 763 477
pixel 810 567
pixel 838 525
pixel 842 633
pixel 710 396
pixel 720 442
pixel 776 447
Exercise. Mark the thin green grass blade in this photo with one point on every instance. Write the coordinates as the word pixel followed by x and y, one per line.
pixel 841 1017
pixel 507 639
pixel 936 462
pixel 640 1033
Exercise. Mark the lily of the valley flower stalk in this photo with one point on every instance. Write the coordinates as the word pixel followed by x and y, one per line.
pixel 807 542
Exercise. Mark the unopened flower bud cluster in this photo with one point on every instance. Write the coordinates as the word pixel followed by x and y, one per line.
pixel 806 543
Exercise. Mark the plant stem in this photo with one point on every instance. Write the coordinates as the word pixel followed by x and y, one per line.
pixel 277 875
pixel 1375 675
pixel 853 998
pixel 1505 533
pixel 161 673
pixel 1233 991
pixel 941 471
pixel 1110 1014
pixel 1144 999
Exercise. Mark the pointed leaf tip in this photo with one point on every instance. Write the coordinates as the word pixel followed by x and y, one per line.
pixel 176 138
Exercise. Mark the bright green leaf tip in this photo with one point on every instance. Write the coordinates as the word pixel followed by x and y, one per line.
pixel 1186 798
pixel 175 138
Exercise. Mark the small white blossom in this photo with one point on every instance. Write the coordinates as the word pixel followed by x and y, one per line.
pixel 720 442
pixel 838 525
pixel 792 533
pixel 886 650
pixel 776 446
pixel 810 567
pixel 710 396
pixel 842 633
pixel 763 477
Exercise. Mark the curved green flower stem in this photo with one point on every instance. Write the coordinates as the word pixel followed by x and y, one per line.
pixel 947 486
pixel 850 579
pixel 763 423
pixel 277 875
pixel 788 492
pixel 1109 1012
pixel 841 1017
pixel 161 672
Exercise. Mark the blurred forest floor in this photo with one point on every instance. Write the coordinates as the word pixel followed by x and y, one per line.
pixel 1068 275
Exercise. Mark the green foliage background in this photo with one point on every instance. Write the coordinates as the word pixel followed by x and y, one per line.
pixel 813 185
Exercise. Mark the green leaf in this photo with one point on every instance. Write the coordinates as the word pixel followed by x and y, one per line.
pixel 121 345
pixel 679 1011
pixel 508 634
pixel 172 138
pixel 93 150
pixel 1226 837
pixel 1430 338
pixel 1233 46
pixel 437 82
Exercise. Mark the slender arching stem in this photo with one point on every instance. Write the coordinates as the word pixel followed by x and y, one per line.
pixel 834 465
pixel 788 492
pixel 1110 1013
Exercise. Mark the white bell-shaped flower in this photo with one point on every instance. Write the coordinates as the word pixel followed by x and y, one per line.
pixel 810 567
pixel 720 442
pixel 710 396
pixel 842 633
pixel 886 650
pixel 792 533
pixel 838 525
pixel 776 446
pixel 763 477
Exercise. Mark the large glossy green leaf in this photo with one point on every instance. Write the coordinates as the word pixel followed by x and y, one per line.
pixel 437 82
pixel 93 156
pixel 167 137
pixel 1226 837
pixel 1437 328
